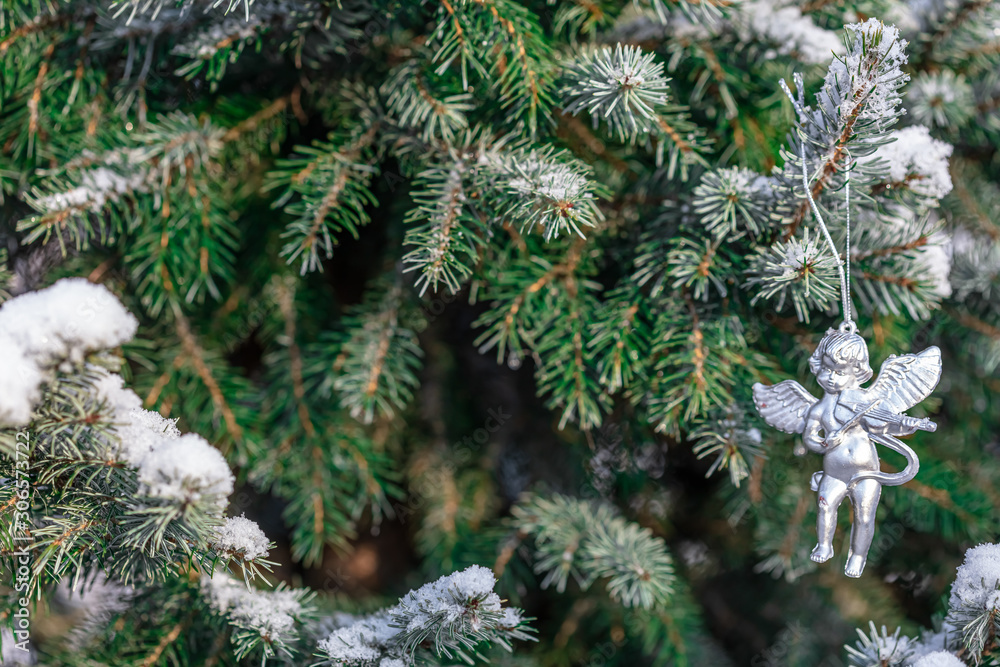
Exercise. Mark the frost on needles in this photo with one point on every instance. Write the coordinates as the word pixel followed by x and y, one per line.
pixel 900 258
pixel 126 506
pixel 448 617
pixel 968 629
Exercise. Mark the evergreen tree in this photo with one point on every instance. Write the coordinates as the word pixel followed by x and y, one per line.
pixel 378 333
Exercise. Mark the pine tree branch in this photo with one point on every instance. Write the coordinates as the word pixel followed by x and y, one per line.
pixel 39 25
pixel 674 635
pixel 566 267
pixel 881 188
pixel 791 540
pixel 699 353
pixel 254 121
pixel 161 382
pixel 943 31
pixel 196 355
pixel 381 351
pixel 830 167
pixel 974 323
pixel 712 60
pixel 683 145
pixel 972 206
pixel 571 125
pixel 817 5
pixel 520 52
pixel 918 242
pixel 286 303
pixel 330 200
pixel 319 514
pixel 459 32
pixel 36 94
pixel 580 609
pixel 507 552
pixel 167 640
pixel 902 281
pixel 940 497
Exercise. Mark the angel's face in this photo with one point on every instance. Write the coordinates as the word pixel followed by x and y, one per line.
pixel 835 377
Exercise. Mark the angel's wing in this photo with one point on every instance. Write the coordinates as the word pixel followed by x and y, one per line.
pixel 783 405
pixel 905 380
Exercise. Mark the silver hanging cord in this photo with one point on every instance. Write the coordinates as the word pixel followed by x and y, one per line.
pixel 845 298
pixel 847 256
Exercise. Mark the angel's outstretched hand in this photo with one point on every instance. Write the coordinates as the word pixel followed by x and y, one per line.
pixel 834 439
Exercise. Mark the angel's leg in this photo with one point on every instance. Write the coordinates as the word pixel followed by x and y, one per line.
pixel 831 493
pixel 864 496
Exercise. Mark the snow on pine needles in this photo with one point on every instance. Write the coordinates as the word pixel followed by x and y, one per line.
pixel 453 614
pixel 54 327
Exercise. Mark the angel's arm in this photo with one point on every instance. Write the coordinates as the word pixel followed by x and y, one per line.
pixel 811 434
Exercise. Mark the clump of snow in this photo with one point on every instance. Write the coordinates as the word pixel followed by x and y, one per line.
pixel 978 578
pixel 270 613
pixel 459 598
pixel 363 641
pixel 139 431
pixel 536 176
pixel 791 31
pixel 887 649
pixel 918 160
pixel 512 617
pixel 800 254
pixel 54 326
pixel 871 73
pixel 19 383
pixel 231 31
pixel 449 598
pixel 185 469
pixel 556 182
pixel 110 388
pixel 933 641
pixel 223 591
pixel 472 582
pixel 939 659
pixel 739 182
pixel 239 537
pixel 67 319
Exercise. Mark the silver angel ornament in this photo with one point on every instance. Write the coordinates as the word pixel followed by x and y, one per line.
pixel 846 423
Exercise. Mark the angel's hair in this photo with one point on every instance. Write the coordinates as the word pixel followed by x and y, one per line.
pixel 844 348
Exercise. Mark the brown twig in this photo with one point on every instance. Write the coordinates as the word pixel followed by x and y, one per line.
pixel 196 355
pixel 286 304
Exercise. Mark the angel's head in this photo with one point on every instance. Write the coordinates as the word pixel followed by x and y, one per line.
pixel 840 361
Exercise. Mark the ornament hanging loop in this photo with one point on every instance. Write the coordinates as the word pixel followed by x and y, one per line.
pixel 848 326
pixel 845 289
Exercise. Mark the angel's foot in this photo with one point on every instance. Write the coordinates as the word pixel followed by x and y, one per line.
pixel 855 566
pixel 822 553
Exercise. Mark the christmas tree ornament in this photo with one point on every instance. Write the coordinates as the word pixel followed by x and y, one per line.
pixel 849 420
